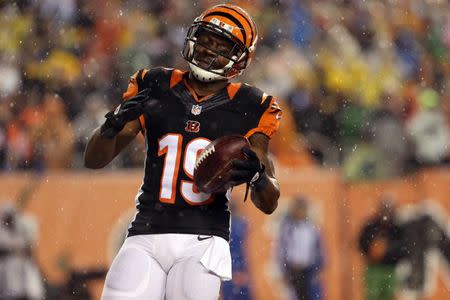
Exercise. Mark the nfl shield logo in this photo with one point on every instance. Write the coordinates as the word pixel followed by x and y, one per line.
pixel 196 109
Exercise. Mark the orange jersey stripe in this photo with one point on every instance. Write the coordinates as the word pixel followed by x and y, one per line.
pixel 232 89
pixel 194 94
pixel 132 91
pixel 269 122
pixel 142 121
pixel 176 77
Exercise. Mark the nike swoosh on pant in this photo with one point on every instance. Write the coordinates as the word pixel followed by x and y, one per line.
pixel 202 238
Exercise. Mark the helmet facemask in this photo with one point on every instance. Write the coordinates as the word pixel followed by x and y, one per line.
pixel 227 59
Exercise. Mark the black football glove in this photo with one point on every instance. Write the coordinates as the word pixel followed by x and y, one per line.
pixel 249 170
pixel 127 111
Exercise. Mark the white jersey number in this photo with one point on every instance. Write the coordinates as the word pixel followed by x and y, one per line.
pixel 170 146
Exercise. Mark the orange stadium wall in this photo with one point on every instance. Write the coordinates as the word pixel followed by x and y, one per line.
pixel 82 216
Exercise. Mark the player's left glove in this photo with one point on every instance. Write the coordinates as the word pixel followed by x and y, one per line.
pixel 127 111
pixel 250 170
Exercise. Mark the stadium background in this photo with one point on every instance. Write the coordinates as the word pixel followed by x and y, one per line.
pixel 365 87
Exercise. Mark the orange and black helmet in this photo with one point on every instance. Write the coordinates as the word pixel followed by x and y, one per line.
pixel 229 22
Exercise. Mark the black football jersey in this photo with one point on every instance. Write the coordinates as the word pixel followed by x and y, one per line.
pixel 177 126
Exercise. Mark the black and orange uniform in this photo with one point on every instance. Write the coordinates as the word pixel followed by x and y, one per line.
pixel 177 127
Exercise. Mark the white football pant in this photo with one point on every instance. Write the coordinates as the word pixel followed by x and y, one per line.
pixel 170 267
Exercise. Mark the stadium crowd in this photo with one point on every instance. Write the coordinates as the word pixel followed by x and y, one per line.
pixel 367 82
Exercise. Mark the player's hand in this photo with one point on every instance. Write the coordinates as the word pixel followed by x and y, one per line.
pixel 249 170
pixel 127 111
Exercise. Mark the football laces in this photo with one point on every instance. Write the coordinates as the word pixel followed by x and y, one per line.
pixel 206 153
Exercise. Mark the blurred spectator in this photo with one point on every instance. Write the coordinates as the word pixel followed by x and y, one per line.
pixel 78 281
pixel 317 124
pixel 239 287
pixel 12 80
pixel 429 130
pixel 54 137
pixel 380 242
pixel 335 62
pixel 382 149
pixel 388 137
pixel 19 275
pixel 5 116
pixel 423 231
pixel 300 252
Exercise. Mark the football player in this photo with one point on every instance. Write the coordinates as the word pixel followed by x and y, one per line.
pixel 177 245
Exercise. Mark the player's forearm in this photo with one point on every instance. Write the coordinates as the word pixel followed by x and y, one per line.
pixel 99 151
pixel 102 149
pixel 265 195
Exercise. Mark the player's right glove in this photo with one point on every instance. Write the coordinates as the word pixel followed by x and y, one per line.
pixel 127 111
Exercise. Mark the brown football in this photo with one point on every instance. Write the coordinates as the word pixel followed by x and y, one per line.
pixel 212 165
